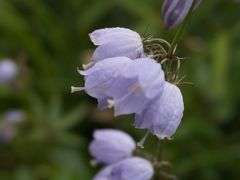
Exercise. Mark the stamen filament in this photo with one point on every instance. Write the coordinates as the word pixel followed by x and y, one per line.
pixel 76 89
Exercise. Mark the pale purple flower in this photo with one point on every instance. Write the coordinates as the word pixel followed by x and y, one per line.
pixel 164 115
pixel 133 90
pixel 134 168
pixel 128 86
pixel 8 71
pixel 105 173
pixel 175 11
pixel 14 116
pixel 114 42
pixel 99 78
pixel 110 146
pixel 10 119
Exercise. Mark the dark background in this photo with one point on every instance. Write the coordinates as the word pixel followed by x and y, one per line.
pixel 48 39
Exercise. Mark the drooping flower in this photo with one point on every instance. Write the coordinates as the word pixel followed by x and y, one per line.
pixel 126 85
pixel 110 146
pixel 142 81
pixel 99 78
pixel 175 11
pixel 164 115
pixel 8 71
pixel 116 42
pixel 131 168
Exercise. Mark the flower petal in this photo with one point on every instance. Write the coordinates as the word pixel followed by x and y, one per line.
pixel 134 168
pixel 134 88
pixel 165 113
pixel 131 48
pixel 110 146
pixel 98 78
pixel 107 35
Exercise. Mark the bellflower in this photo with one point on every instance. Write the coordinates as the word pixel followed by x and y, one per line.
pixel 175 11
pixel 131 168
pixel 114 42
pixel 110 146
pixel 99 78
pixel 8 71
pixel 128 86
pixel 142 81
pixel 164 115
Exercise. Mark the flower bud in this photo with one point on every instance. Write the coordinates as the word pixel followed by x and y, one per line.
pixel 175 11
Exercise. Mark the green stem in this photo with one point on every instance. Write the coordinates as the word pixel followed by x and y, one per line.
pixel 180 31
pixel 158 155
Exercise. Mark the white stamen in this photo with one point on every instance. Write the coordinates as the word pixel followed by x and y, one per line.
pixel 87 66
pixel 141 142
pixel 76 89
pixel 111 103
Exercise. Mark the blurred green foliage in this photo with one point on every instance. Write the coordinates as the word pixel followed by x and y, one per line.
pixel 49 39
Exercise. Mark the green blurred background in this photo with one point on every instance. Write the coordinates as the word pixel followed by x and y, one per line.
pixel 48 39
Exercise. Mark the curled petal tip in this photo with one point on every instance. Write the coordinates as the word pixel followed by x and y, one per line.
pixel 87 66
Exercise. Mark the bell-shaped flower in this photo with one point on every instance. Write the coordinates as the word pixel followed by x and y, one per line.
pixel 136 86
pixel 128 86
pixel 174 12
pixel 114 42
pixel 131 168
pixel 99 78
pixel 110 146
pixel 8 71
pixel 164 115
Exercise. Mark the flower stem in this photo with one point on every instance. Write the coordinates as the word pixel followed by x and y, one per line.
pixel 180 31
pixel 158 155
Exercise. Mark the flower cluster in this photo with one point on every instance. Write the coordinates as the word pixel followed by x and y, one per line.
pixel 122 76
pixel 115 148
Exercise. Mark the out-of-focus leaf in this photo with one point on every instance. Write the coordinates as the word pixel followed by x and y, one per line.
pixel 23 173
pixel 15 25
pixel 73 117
pixel 220 68
pixel 143 10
